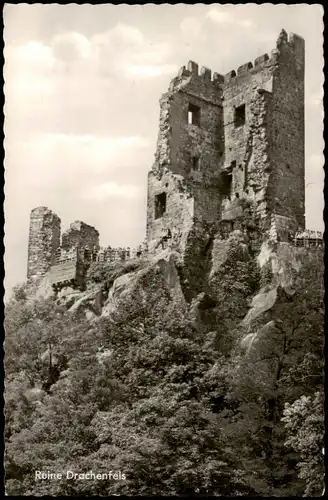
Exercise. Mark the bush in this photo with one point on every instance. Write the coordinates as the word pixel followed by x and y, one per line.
pixel 108 272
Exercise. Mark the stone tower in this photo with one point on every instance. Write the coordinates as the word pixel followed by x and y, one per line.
pixel 227 141
pixel 81 236
pixel 44 240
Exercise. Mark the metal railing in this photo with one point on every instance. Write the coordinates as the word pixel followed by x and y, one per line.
pixel 121 254
pixel 308 239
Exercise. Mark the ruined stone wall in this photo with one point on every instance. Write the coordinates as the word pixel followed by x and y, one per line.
pixel 179 141
pixel 266 153
pixel 288 128
pixel 64 261
pixel 81 236
pixel 85 240
pixel 251 173
pixel 239 90
pixel 247 145
pixel 67 273
pixel 44 240
pixel 203 140
pixel 219 144
pixel 188 154
pixel 179 213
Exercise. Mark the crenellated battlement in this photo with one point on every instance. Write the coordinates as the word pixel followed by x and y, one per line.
pixel 292 42
pixel 250 68
pixel 245 68
pixel 204 74
pixel 259 61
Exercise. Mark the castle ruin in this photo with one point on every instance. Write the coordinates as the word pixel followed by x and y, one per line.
pixel 64 258
pixel 224 143
pixel 229 140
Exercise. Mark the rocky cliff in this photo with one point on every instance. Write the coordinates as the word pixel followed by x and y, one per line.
pixel 224 279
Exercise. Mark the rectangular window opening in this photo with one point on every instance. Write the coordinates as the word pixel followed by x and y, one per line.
pixel 240 115
pixel 160 205
pixel 194 115
pixel 196 163
pixel 226 183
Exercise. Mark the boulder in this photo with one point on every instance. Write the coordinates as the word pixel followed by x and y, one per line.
pixel 157 282
pixel 91 301
pixel 222 249
pixel 285 262
pixel 261 303
pixel 251 343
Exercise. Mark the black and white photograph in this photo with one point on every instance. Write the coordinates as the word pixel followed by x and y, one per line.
pixel 163 250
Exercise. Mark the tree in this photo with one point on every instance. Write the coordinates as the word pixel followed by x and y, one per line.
pixel 304 423
pixel 285 362
pixel 148 393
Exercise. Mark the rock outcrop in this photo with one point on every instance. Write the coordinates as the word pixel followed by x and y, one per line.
pixel 157 284
pixel 223 281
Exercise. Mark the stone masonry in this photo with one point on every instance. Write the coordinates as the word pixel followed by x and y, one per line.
pixel 62 259
pixel 44 240
pixel 65 259
pixel 79 247
pixel 81 236
pixel 227 140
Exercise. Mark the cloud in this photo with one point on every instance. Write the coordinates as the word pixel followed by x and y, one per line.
pixel 123 36
pixel 70 47
pixel 222 16
pixel 124 52
pixel 30 86
pixel 94 141
pixel 79 156
pixel 27 68
pixel 34 52
pixel 110 190
pixel 219 17
pixel 120 53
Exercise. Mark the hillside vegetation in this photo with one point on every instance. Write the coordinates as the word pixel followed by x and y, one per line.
pixel 209 391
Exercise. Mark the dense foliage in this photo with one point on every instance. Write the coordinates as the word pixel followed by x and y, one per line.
pixel 145 393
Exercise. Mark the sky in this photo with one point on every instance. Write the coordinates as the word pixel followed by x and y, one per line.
pixel 82 90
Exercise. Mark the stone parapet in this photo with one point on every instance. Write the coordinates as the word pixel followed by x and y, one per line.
pixel 110 254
